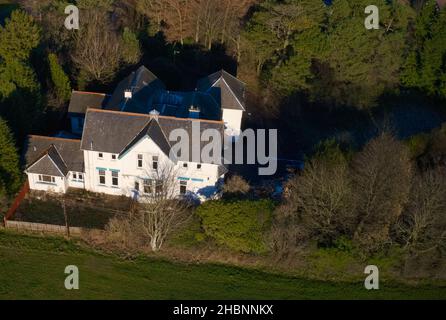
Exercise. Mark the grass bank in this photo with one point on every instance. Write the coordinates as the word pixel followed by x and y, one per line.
pixel 32 267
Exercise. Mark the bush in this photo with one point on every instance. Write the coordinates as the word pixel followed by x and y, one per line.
pixel 236 185
pixel 239 225
pixel 418 144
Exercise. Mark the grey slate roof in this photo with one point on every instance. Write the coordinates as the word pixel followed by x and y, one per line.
pixel 53 153
pixel 154 132
pixel 177 104
pixel 112 132
pixel 49 164
pixel 80 101
pixel 225 88
pixel 143 84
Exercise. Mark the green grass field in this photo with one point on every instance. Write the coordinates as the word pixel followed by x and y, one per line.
pixel 32 267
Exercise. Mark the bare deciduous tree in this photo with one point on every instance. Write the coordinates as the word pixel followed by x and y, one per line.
pixel 159 212
pixel 381 180
pixel 97 46
pixel 204 21
pixel 422 227
pixel 236 184
pixel 318 204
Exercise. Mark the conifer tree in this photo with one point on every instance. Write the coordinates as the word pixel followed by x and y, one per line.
pixel 10 174
pixel 59 79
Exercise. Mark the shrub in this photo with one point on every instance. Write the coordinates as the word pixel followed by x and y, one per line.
pixel 236 185
pixel 239 225
pixel 418 144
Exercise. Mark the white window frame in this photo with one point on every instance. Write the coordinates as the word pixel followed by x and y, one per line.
pixel 115 175
pixel 51 178
pixel 139 160
pixel 183 184
pixel 147 183
pixel 155 162
pixel 102 175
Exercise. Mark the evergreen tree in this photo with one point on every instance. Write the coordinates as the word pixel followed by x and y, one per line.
pixel 433 71
pixel 10 174
pixel 20 98
pixel 130 49
pixel 18 37
pixel 285 36
pixel 365 63
pixel 59 79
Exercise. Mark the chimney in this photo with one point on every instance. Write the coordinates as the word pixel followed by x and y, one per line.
pixel 128 94
pixel 194 112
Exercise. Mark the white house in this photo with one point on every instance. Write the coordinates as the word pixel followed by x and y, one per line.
pixel 124 148
pixel 230 92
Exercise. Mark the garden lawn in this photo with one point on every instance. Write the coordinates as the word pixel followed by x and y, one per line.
pixel 32 267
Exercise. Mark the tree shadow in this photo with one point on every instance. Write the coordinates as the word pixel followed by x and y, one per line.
pixel 303 124
pixel 180 66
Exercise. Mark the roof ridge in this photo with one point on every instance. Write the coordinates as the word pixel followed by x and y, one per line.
pixel 89 92
pixel 151 116
pixel 53 138
pixel 60 156
pixel 226 72
pixel 40 156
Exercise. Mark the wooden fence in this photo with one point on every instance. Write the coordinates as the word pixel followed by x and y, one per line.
pixel 41 227
pixel 22 194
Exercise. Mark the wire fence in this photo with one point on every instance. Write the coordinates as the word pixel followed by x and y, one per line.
pixel 41 227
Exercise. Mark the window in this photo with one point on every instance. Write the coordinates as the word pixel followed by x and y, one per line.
pixel 78 176
pixel 47 179
pixel 137 186
pixel 183 187
pixel 155 162
pixel 159 187
pixel 102 177
pixel 115 179
pixel 101 155
pixel 185 165
pixel 199 166
pixel 140 160
pixel 148 186
pixel 113 156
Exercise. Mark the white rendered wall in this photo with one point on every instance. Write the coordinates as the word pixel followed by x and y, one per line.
pixel 60 185
pixel 76 183
pixel 233 120
pixel 129 172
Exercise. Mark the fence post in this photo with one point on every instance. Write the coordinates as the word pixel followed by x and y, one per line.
pixel 66 218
